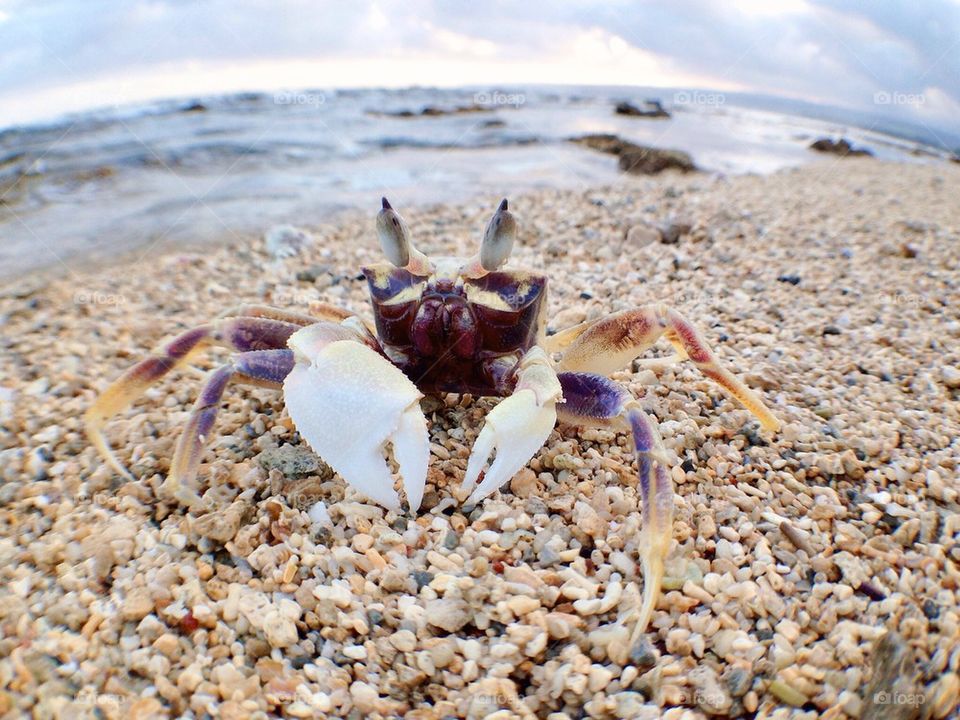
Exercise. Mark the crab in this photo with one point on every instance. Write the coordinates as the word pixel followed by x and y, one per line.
pixel 441 325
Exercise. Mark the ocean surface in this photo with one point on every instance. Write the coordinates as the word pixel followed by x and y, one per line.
pixel 152 177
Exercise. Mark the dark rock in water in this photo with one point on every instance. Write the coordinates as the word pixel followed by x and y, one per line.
pixel 604 143
pixel 841 147
pixel 490 124
pixel 194 107
pixel 431 111
pixel 650 161
pixel 893 692
pixel 638 159
pixel 650 109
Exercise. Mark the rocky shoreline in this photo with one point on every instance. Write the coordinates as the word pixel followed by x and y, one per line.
pixel 814 573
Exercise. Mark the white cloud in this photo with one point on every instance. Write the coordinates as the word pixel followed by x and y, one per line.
pixel 65 54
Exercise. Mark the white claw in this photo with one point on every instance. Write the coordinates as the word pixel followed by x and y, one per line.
pixel 348 402
pixel 516 429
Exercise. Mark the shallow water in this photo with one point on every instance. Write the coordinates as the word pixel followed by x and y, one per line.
pixel 148 178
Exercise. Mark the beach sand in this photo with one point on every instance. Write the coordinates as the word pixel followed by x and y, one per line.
pixel 832 290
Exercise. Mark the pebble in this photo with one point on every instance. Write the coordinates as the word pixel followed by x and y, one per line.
pixel 136 606
pixel 521 605
pixel 337 594
pixel 639 236
pixel 710 695
pixel 319 515
pixel 279 630
pixel 404 641
pixel 365 696
pixel 788 694
pixel 291 460
pixel 950 376
pixel 449 615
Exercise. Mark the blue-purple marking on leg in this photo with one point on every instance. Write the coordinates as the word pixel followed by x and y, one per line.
pixel 185 342
pixel 591 396
pixel 251 334
pixel 266 365
pixel 208 402
pixel 643 440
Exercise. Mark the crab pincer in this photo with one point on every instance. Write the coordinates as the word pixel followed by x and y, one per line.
pixel 348 402
pixel 516 428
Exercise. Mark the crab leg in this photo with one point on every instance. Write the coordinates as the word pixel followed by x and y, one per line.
pixel 240 334
pixel 348 402
pixel 597 401
pixel 264 368
pixel 516 428
pixel 317 311
pixel 611 343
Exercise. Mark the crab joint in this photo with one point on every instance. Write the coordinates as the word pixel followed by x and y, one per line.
pixel 395 242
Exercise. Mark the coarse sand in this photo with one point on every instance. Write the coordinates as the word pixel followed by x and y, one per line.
pixel 814 572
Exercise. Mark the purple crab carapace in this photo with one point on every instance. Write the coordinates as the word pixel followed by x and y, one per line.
pixel 441 325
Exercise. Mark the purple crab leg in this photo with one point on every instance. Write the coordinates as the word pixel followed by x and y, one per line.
pixel 611 343
pixel 239 334
pixel 591 399
pixel 265 368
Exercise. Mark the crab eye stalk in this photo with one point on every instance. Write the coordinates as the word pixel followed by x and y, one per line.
pixel 394 236
pixel 396 244
pixel 498 239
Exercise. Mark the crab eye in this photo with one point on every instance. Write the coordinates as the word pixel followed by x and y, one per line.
pixel 394 236
pixel 498 239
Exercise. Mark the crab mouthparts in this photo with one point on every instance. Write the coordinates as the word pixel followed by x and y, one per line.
pixel 445 323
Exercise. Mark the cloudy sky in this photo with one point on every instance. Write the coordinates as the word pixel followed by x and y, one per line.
pixel 58 56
